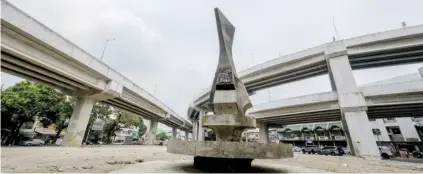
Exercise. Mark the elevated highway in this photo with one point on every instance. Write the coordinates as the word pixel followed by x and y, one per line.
pixel 347 102
pixel 385 99
pixel 32 51
pixel 394 47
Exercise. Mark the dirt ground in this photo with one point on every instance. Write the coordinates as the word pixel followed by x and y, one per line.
pixel 109 158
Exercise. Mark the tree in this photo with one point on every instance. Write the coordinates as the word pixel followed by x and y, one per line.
pixel 123 119
pixel 24 101
pixel 111 126
pixel 128 119
pixel 162 136
pixel 142 128
pixel 64 114
pixel 100 111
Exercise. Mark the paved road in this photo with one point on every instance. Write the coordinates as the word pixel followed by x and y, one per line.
pixel 105 159
pixel 410 160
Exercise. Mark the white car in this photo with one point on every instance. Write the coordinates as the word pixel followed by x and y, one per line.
pixel 118 142
pixel 32 142
pixel 296 149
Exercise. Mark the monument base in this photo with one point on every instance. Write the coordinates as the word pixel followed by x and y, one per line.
pixel 229 149
pixel 223 165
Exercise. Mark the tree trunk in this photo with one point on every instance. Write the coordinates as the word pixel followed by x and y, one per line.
pixel 15 133
pixel 57 134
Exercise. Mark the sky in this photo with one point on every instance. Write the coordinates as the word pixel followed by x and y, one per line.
pixel 170 48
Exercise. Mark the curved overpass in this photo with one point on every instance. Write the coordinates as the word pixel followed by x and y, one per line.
pixel 386 99
pixel 394 47
pixel 32 51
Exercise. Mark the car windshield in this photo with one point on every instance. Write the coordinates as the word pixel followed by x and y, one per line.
pixel 384 148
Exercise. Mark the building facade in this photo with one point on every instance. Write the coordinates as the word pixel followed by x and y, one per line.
pixel 396 133
pixel 124 136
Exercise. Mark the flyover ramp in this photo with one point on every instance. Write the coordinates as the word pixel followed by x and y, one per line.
pixel 394 47
pixel 397 99
pixel 32 51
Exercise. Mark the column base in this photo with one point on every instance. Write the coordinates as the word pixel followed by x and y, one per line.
pixel 222 165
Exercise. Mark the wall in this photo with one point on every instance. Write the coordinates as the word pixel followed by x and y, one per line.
pixel 379 124
pixel 408 130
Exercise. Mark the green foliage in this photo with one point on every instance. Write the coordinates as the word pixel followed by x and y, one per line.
pixel 101 111
pixel 128 119
pixel 111 126
pixel 24 101
pixel 123 119
pixel 142 129
pixel 62 117
pixel 162 136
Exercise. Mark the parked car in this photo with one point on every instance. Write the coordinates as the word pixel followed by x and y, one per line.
pixel 311 149
pixel 385 152
pixel 296 149
pixel 118 142
pixel 346 150
pixel 332 150
pixel 32 142
pixel 159 142
pixel 417 154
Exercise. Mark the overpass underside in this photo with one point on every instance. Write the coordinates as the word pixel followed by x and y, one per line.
pixel 32 51
pixel 373 112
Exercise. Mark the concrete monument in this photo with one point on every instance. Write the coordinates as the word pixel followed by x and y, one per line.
pixel 229 101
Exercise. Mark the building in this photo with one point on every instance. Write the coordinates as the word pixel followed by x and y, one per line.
pixel 250 135
pixel 124 136
pixel 35 130
pixel 322 134
pixel 396 133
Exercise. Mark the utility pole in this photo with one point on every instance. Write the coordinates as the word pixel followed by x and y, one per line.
pixel 104 49
pixel 252 54
pixel 336 31
pixel 155 87
pixel 268 90
pixel 404 24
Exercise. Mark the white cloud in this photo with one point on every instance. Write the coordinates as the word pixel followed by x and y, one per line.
pixel 174 43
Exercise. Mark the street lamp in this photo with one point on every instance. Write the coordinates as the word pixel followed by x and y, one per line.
pixel 105 45
pixel 252 55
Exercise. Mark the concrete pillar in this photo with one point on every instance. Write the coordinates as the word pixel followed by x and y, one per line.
pixel 351 101
pixel 78 122
pixel 194 130
pixel 200 127
pixel 174 133
pixel 186 135
pixel 152 132
pixel 263 132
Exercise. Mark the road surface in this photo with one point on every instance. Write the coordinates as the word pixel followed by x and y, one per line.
pixel 110 158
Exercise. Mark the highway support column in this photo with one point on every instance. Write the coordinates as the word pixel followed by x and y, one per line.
pixel 152 132
pixel 194 130
pixel 186 135
pixel 352 103
pixel 174 133
pixel 78 122
pixel 200 136
pixel 263 132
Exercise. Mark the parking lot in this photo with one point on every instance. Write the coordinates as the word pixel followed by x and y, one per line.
pixel 109 158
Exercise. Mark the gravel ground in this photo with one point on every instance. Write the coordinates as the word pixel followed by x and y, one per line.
pixel 109 158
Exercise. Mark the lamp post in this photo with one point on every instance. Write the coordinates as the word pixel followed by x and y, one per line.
pixel 104 49
pixel 252 55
